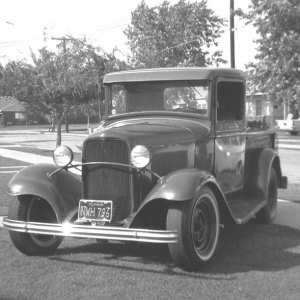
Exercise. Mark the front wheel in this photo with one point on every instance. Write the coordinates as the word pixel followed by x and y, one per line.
pixel 197 223
pixel 33 209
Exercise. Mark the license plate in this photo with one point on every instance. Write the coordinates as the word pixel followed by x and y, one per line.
pixel 95 210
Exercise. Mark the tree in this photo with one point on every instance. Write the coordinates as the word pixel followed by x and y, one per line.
pixel 58 81
pixel 174 35
pixel 277 70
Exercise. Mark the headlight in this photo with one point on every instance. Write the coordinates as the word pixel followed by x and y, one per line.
pixel 140 156
pixel 62 156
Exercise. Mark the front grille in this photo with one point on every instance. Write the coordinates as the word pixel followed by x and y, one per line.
pixel 167 162
pixel 105 182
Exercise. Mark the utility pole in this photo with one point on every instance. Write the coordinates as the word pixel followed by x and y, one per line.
pixel 65 67
pixel 232 51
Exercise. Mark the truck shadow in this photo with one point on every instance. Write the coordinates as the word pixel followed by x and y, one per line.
pixel 252 247
pixel 257 247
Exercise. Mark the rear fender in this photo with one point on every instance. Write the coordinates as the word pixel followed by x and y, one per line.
pixel 257 172
pixel 63 190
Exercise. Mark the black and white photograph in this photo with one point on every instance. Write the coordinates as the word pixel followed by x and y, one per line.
pixel 149 149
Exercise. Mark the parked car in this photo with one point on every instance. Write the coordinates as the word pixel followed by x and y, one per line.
pixel 291 126
pixel 172 164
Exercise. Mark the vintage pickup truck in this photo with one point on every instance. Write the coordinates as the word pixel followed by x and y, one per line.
pixel 173 163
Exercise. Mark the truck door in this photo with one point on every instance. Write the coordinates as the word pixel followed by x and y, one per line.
pixel 230 138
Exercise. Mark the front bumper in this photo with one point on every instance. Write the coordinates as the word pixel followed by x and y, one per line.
pixel 94 232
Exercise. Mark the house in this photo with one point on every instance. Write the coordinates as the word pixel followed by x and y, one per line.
pixel 11 111
pixel 260 108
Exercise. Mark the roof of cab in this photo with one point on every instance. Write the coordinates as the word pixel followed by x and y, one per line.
pixel 164 74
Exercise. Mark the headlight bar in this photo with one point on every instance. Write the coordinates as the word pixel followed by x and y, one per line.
pixel 106 163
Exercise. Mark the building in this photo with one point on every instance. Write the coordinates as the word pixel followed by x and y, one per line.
pixel 11 111
pixel 260 109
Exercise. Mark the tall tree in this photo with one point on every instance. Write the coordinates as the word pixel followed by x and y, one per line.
pixel 57 81
pixel 174 35
pixel 277 69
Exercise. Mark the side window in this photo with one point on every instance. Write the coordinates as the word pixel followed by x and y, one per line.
pixel 230 98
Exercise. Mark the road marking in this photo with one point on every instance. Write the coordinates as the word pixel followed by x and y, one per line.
pixel 11 146
pixel 12 167
pixel 287 146
pixel 11 171
pixel 32 158
pixel 27 157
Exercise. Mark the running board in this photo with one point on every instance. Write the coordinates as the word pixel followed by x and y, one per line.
pixel 245 208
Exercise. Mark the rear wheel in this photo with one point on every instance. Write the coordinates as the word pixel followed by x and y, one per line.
pixel 267 213
pixel 294 132
pixel 197 223
pixel 33 209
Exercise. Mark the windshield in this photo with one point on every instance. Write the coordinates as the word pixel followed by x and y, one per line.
pixel 184 96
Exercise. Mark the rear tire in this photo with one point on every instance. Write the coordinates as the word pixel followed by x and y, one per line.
pixel 197 223
pixel 294 132
pixel 267 213
pixel 33 209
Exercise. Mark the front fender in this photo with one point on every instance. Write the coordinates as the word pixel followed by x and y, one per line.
pixel 63 190
pixel 179 185
pixel 182 185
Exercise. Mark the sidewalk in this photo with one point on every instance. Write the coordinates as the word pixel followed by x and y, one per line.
pixel 288 146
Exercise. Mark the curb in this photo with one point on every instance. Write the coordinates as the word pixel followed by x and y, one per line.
pixel 65 133
pixel 292 147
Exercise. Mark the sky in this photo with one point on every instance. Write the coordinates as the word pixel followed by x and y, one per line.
pixel 24 22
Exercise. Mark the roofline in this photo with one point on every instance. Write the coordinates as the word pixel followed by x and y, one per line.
pixel 165 74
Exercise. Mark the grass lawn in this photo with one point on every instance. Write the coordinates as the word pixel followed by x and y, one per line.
pixel 253 262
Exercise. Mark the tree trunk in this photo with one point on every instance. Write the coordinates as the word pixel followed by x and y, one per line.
pixel 59 122
pixel 67 121
pixel 52 126
pixel 58 137
pixel 88 122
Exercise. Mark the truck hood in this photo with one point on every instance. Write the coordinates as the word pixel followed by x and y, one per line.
pixel 156 131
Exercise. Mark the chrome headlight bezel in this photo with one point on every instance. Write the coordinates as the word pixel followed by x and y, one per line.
pixel 140 156
pixel 63 156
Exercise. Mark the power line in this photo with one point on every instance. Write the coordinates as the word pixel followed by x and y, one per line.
pixel 179 45
pixel 111 27
pixel 12 44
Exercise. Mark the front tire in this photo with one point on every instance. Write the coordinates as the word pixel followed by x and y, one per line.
pixel 197 223
pixel 268 212
pixel 33 209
